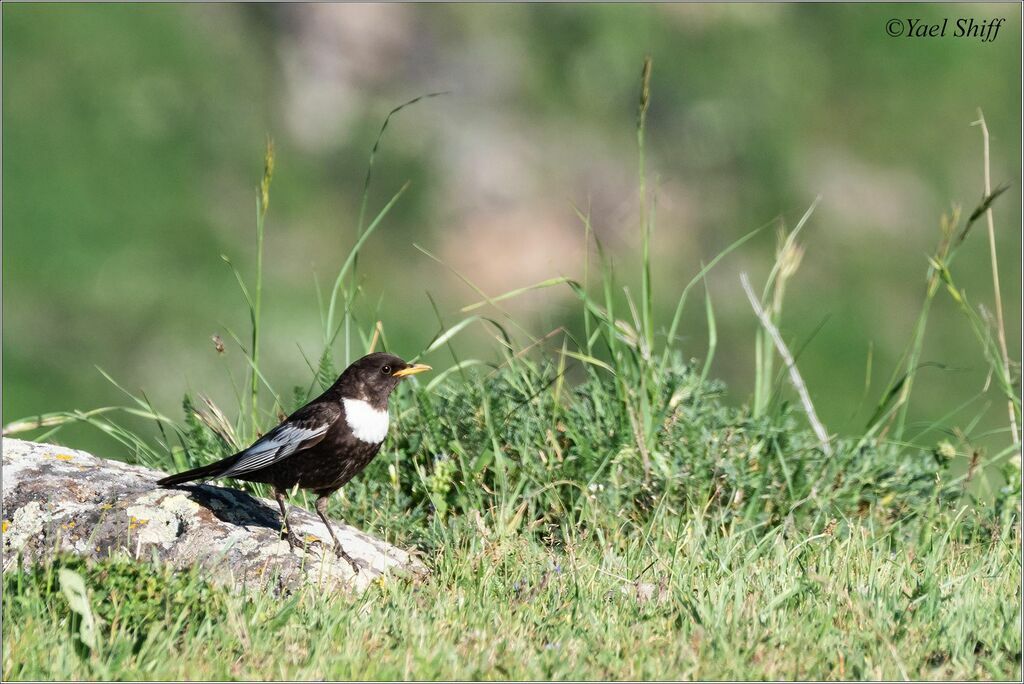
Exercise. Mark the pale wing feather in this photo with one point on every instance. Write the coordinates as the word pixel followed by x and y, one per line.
pixel 278 444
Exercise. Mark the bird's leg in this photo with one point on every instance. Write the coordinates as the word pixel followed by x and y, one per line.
pixel 321 510
pixel 286 528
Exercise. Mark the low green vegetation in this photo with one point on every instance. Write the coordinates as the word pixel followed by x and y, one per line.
pixel 590 508
pixel 681 599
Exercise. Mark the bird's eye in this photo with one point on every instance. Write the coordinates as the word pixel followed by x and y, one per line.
pixel 386 370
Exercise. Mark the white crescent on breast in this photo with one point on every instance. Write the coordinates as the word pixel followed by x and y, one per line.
pixel 368 424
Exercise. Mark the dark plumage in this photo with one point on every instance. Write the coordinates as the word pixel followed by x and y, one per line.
pixel 324 444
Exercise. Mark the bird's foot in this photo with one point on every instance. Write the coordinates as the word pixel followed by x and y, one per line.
pixel 299 541
pixel 340 553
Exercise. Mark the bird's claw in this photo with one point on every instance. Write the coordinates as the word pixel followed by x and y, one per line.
pixel 340 553
pixel 304 541
pixel 296 541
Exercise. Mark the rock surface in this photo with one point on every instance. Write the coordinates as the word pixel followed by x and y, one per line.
pixel 59 499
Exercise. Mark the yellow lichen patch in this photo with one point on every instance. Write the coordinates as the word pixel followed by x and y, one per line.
pixel 63 457
pixel 134 522
pixel 312 539
pixel 7 523
pixel 69 525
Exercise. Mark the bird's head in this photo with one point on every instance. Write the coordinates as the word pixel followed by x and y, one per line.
pixel 373 377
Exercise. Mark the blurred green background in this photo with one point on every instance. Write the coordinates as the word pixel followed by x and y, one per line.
pixel 133 140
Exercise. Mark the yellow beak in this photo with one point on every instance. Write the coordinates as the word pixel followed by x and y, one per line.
pixel 411 370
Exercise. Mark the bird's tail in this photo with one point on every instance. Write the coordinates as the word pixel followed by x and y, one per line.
pixel 201 473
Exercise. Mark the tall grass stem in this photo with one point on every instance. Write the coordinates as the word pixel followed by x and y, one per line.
pixel 997 296
pixel 262 203
pixel 794 374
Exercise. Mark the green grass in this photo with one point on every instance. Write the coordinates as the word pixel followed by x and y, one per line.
pixel 923 602
pixel 590 508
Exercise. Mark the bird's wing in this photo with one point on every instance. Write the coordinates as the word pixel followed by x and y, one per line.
pixel 302 430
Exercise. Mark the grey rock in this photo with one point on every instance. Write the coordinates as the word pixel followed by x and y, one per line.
pixel 57 499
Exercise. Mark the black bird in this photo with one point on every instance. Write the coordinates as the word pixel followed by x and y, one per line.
pixel 321 446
